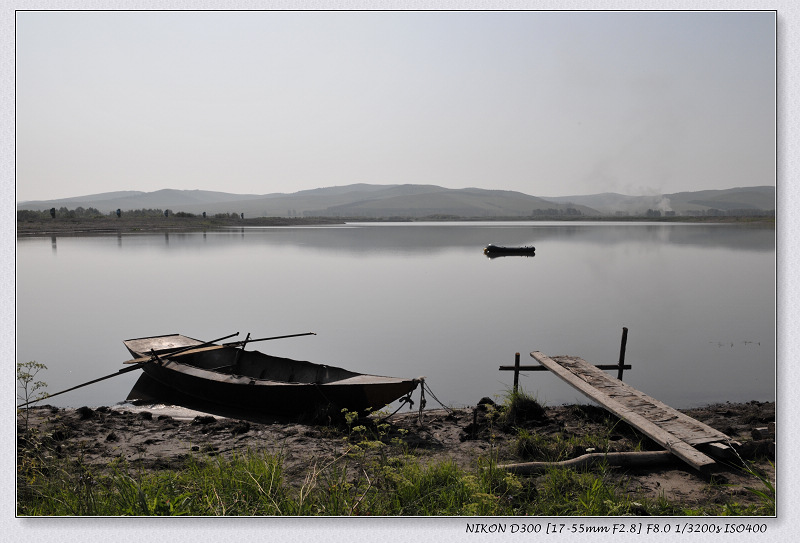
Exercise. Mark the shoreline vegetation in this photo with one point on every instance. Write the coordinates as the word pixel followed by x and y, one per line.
pixel 41 224
pixel 163 460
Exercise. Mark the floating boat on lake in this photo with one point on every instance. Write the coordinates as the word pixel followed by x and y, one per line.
pixel 496 250
pixel 227 375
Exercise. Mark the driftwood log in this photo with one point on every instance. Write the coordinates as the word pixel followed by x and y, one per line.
pixel 625 459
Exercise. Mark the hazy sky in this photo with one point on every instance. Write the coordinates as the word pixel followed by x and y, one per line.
pixel 546 103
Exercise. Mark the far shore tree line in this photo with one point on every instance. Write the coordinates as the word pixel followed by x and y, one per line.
pixel 92 213
pixel 28 215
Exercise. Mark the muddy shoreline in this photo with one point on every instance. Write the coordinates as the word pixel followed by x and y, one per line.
pixel 157 437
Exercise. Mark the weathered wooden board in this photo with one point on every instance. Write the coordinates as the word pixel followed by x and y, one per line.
pixel 669 428
pixel 168 342
pixel 176 355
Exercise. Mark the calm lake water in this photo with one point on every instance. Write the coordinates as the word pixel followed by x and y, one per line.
pixel 418 299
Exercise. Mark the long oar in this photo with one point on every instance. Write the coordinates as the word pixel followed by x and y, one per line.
pixel 181 350
pixel 138 364
pixel 120 372
pixel 202 345
pixel 268 338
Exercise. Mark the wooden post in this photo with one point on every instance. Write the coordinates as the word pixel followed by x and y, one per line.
pixel 622 352
pixel 516 372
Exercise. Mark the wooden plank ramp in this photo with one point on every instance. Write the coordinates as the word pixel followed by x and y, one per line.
pixel 676 432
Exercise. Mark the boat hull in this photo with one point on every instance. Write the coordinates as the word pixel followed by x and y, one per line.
pixel 254 381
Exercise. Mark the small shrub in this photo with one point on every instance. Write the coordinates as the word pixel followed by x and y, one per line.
pixel 28 387
pixel 520 408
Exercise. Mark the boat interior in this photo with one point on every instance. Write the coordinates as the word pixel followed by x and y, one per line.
pixel 257 365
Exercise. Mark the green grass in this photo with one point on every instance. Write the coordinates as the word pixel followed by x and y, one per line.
pixel 375 475
pixel 532 446
pixel 357 483
pixel 253 485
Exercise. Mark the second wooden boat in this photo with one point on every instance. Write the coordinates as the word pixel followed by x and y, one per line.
pixel 496 250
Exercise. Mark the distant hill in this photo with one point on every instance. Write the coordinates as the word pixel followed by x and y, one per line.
pixel 761 198
pixel 609 203
pixel 360 200
pixel 76 201
pixel 127 200
pixel 415 201
pixel 410 201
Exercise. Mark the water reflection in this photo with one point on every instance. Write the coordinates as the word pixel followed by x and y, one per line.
pixel 419 238
pixel 492 256
pixel 418 299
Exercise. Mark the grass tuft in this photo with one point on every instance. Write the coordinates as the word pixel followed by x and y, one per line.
pixel 520 407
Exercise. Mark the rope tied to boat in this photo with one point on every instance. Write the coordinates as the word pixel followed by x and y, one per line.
pixel 425 385
pixel 422 402
pixel 404 400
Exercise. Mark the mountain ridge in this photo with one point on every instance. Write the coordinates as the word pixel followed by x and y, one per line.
pixel 413 201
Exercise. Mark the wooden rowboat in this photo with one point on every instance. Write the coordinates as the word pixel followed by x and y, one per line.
pixel 229 376
pixel 493 251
